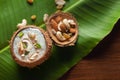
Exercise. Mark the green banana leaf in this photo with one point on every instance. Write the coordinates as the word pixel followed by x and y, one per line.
pixel 96 19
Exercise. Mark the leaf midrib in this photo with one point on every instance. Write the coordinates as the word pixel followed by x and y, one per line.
pixel 41 25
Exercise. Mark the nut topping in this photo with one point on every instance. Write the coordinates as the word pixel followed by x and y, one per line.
pixel 28 43
pixel 60 3
pixel 58 19
pixel 67 36
pixel 54 32
pixel 35 55
pixel 72 30
pixel 72 23
pixel 63 28
pixel 33 17
pixel 65 21
pixel 31 36
pixel 54 24
pixel 45 18
pixel 23 24
pixel 21 48
pixel 30 1
pixel 59 26
pixel 60 36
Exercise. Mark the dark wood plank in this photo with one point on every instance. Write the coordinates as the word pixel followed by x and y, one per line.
pixel 103 63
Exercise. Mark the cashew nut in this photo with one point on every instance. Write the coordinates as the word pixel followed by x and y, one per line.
pixel 60 36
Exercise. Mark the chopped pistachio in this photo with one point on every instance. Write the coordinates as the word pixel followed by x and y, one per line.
pixel 26 52
pixel 37 45
pixel 20 34
pixel 24 45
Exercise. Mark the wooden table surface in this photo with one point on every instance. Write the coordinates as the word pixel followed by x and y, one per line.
pixel 103 63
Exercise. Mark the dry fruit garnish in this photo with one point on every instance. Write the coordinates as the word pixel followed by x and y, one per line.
pixel 22 24
pixel 63 29
pixel 30 46
pixel 60 3
pixel 30 1
pixel 20 34
pixel 45 17
pixel 33 17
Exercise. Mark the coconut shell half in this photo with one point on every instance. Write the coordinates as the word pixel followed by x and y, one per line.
pixel 54 25
pixel 30 46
